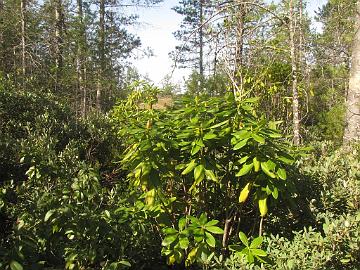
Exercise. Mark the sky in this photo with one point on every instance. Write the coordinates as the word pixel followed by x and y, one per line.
pixel 155 31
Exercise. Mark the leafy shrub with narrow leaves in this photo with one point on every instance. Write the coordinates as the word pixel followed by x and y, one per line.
pixel 204 150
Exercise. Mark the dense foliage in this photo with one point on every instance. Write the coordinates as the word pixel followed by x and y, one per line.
pixel 244 168
pixel 207 183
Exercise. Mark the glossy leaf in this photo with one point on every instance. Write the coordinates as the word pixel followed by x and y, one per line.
pixel 48 215
pixel 256 163
pixel 210 136
pixel 266 170
pixel 245 193
pixel 281 173
pixel 256 242
pixel 198 172
pixel 240 144
pixel 184 242
pixel 169 239
pixel 263 206
pixel 258 138
pixel 243 239
pixel 245 169
pixel 14 265
pixel 214 229
pixel 211 175
pixel 259 252
pixel 212 222
pixel 210 240
pixel 190 167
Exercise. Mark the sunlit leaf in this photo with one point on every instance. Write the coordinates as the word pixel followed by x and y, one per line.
pixel 243 239
pixel 245 169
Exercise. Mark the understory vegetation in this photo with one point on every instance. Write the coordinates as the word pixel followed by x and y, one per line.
pixel 207 183
pixel 250 162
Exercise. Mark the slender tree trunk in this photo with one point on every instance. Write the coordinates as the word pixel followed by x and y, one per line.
pixel 101 55
pixel 201 44
pixel 2 64
pixel 239 49
pixel 80 59
pixel 295 94
pixel 352 117
pixel 59 26
pixel 239 36
pixel 23 40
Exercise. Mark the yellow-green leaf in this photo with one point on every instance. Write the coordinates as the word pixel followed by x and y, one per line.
pixel 240 144
pixel 281 173
pixel 263 206
pixel 189 167
pixel 245 193
pixel 266 170
pixel 191 257
pixel 211 175
pixel 256 164
pixel 245 169
pixel 198 172
pixel 14 265
pixel 150 197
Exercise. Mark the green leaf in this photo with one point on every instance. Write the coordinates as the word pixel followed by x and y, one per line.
pixel 184 242
pixel 191 256
pixel 210 239
pixel 256 164
pixel 245 169
pixel 258 138
pixel 256 242
pixel 182 223
pixel 168 231
pixel 203 219
pixel 198 235
pixel 250 258
pixel 125 263
pixel 220 124
pixel 263 206
pixel 169 239
pixel 214 229
pixel 14 265
pixel 210 136
pixel 240 144
pixel 243 159
pixel 198 172
pixel 242 134
pixel 243 239
pixel 196 148
pixel 198 180
pixel 275 193
pixel 259 252
pixel 287 160
pixel 281 173
pixel 211 175
pixel 48 215
pixel 212 222
pixel 189 167
pixel 266 170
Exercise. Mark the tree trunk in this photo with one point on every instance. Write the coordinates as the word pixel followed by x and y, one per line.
pixel 80 59
pixel 201 44
pixel 1 37
pixel 23 41
pixel 352 117
pixel 101 73
pixel 295 95
pixel 59 26
pixel 239 37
